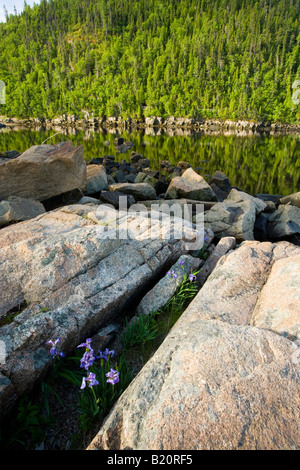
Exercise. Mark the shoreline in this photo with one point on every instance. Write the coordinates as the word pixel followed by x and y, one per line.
pixel 153 125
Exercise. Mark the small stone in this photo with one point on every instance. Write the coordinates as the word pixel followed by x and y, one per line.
pixel 96 179
pixel 113 198
pixel 293 199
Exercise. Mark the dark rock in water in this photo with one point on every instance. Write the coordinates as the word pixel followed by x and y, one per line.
pixel 269 197
pixel 119 176
pixel 109 157
pixel 123 148
pixel 164 163
pixel 129 144
pixel 261 227
pixel 183 165
pixel 12 154
pixel 143 163
pixel 132 169
pixel 135 157
pixel 130 178
pixel 118 141
pixel 221 195
pixel 109 163
pixel 96 161
pixel 2 126
pixel 124 167
pixel 221 180
pixel 153 174
pixel 112 197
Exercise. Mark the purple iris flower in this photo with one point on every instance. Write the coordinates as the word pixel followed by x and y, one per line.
pixel 172 273
pixel 192 277
pixel 54 351
pixel 113 377
pixel 91 379
pixel 86 345
pixel 181 263
pixel 109 353
pixel 87 359
pixel 105 354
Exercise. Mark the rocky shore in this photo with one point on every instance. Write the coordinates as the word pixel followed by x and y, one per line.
pixel 84 244
pixel 154 125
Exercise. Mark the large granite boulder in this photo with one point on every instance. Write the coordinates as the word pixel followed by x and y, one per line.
pixel 216 382
pixel 232 219
pixel 69 272
pixel 43 171
pixel 191 186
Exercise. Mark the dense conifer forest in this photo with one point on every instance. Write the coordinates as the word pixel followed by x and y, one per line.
pixel 235 59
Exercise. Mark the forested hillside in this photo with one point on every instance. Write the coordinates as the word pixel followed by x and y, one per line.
pixel 221 59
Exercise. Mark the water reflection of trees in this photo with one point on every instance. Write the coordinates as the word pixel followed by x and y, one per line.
pixel 269 164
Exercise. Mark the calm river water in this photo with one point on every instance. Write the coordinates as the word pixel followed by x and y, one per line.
pixel 256 164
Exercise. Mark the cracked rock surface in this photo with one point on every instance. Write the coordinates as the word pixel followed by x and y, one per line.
pixel 66 274
pixel 218 382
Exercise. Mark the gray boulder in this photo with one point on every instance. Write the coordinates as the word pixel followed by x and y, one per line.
pixel 284 222
pixel 17 209
pixel 43 171
pixel 232 219
pixel 191 186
